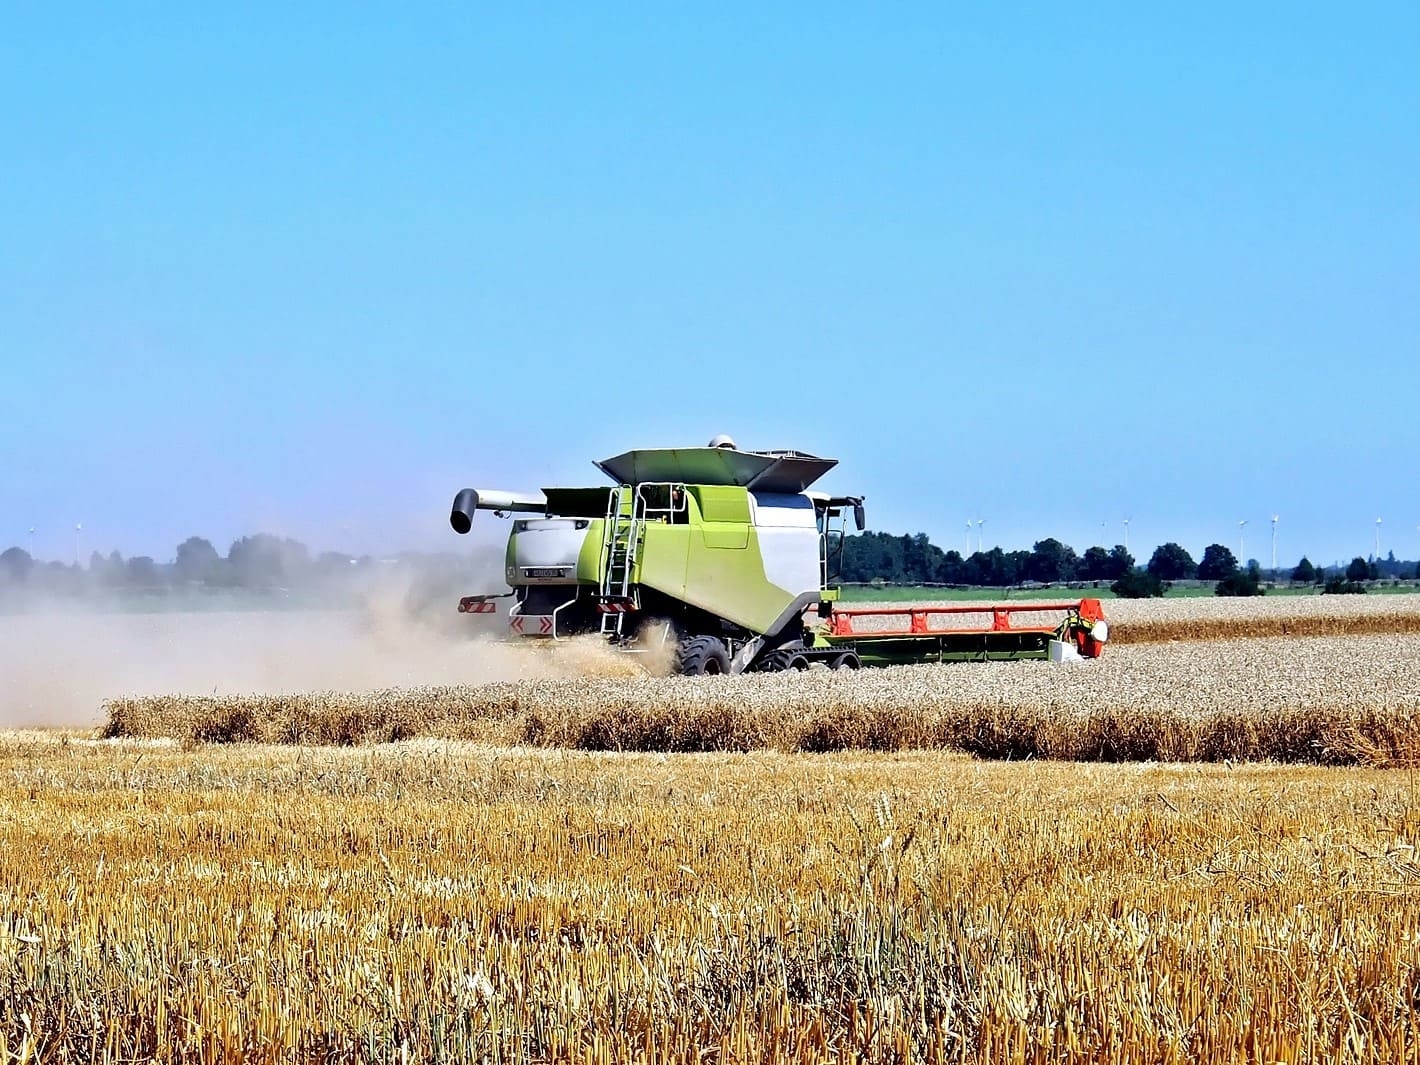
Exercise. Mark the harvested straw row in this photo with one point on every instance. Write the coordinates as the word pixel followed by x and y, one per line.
pixel 1264 625
pixel 1284 700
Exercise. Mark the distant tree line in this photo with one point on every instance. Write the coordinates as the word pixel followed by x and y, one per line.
pixel 879 557
pixel 261 563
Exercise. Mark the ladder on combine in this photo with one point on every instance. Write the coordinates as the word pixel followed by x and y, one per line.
pixel 628 510
pixel 621 539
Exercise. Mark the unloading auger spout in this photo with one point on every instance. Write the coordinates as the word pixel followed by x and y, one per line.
pixel 471 499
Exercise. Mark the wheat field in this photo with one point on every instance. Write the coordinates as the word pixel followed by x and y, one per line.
pixel 1010 862
pixel 449 902
pixel 1351 700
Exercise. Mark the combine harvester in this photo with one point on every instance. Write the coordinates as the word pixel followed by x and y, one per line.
pixel 728 554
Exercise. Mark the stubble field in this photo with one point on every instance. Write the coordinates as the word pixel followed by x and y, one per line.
pixel 509 881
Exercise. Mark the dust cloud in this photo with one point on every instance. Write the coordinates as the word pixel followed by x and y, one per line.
pixel 58 665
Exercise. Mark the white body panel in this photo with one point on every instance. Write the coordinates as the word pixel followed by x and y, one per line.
pixel 787 527
pixel 545 551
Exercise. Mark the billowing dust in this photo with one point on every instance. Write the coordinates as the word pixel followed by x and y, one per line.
pixel 58 665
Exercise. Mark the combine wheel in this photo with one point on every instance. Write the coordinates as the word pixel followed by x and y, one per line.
pixel 702 655
pixel 847 660
pixel 773 662
pixel 779 661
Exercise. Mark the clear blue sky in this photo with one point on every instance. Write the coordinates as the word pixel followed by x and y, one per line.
pixel 311 272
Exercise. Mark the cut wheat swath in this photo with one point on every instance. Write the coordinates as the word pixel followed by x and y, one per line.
pixel 1313 699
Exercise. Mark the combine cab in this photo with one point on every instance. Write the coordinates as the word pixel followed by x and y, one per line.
pixel 727 554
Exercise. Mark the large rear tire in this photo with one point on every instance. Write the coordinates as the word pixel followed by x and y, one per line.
pixel 702 656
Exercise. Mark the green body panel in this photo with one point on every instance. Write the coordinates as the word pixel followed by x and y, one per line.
pixel 590 557
pixel 665 551
pixel 724 516
pixel 713 561
pixel 731 582
pixel 720 504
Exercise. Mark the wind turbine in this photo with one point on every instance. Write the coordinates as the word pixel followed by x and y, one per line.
pixel 968 536
pixel 1126 533
pixel 1242 547
pixel 78 528
pixel 1378 539
pixel 979 523
pixel 1275 519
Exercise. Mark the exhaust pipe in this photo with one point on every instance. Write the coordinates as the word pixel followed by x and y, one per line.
pixel 471 499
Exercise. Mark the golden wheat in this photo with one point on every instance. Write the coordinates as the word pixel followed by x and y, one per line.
pixel 1283 699
pixel 436 902
pixel 1203 618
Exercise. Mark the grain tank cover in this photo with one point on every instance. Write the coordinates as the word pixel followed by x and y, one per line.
pixel 764 471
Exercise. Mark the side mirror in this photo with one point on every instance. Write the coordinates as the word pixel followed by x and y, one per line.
pixel 860 516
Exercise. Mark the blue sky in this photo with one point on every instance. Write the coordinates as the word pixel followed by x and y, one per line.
pixel 311 272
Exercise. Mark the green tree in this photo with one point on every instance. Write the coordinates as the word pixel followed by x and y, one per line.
pixel 1305 572
pixel 997 568
pixel 1358 570
pixel 1139 584
pixel 921 559
pixel 1171 562
pixel 1095 565
pixel 197 561
pixel 872 556
pixel 1218 563
pixel 950 571
pixel 1242 582
pixel 1051 561
pixel 266 561
pixel 16 564
pixel 1121 561
pixel 1339 585
pixel 142 572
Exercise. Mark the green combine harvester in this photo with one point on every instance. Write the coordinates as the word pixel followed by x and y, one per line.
pixel 730 556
